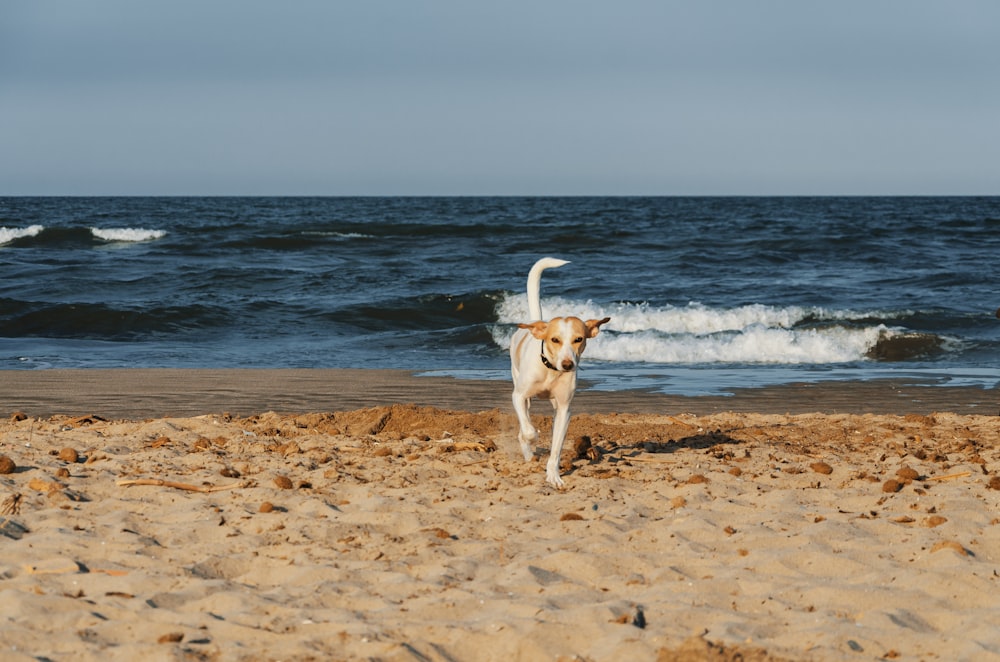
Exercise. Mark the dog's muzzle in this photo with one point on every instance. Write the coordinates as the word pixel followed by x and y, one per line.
pixel 567 366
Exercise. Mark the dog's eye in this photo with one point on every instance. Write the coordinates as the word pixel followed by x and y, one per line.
pixel 557 341
pixel 577 341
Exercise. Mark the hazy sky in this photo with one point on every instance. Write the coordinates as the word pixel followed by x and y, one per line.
pixel 578 97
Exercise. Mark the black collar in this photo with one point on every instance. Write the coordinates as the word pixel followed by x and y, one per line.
pixel 545 360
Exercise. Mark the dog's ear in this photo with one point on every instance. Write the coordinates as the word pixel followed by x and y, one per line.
pixel 594 326
pixel 538 329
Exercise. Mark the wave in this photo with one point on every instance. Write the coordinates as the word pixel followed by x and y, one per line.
pixel 127 234
pixel 343 236
pixel 695 318
pixel 40 235
pixel 429 312
pixel 755 333
pixel 752 345
pixel 7 235
pixel 100 321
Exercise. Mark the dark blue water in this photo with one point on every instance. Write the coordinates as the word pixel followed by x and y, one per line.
pixel 705 294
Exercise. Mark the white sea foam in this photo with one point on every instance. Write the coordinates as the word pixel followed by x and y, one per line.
pixel 8 235
pixel 341 235
pixel 700 334
pixel 127 234
pixel 753 345
pixel 693 318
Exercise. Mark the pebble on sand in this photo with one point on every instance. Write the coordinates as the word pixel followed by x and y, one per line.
pixel 7 465
pixel 821 468
pixel 891 486
pixel 69 455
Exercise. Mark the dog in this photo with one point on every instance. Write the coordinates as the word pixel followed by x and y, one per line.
pixel 548 369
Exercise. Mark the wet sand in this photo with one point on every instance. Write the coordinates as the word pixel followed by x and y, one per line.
pixel 169 392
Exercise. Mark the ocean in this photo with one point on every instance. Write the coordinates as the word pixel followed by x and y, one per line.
pixel 705 294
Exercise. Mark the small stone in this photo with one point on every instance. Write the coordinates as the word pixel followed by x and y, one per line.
pixel 7 465
pixel 266 507
pixel 907 474
pixel 639 620
pixel 283 482
pixel 69 455
pixel 892 486
pixel 821 468
pixel 171 638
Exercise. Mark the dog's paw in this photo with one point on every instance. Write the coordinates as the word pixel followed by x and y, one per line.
pixel 526 441
pixel 553 479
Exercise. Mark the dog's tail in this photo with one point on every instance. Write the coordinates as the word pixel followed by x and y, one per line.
pixel 535 284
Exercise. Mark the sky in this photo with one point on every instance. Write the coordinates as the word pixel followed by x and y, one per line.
pixel 460 97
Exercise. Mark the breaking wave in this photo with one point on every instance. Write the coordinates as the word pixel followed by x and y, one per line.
pixel 127 234
pixel 755 333
pixel 8 235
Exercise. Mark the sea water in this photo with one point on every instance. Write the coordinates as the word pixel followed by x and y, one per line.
pixel 705 294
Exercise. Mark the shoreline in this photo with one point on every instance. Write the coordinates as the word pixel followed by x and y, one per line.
pixel 155 392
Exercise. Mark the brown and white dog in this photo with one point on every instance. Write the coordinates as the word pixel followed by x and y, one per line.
pixel 547 369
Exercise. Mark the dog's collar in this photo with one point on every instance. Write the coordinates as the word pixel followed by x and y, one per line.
pixel 545 360
pixel 548 364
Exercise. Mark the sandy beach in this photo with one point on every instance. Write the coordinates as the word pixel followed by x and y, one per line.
pixel 344 515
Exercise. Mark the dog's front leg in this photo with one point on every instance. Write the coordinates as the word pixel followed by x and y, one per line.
pixel 526 434
pixel 560 424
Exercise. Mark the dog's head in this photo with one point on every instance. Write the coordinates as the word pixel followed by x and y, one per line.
pixel 564 339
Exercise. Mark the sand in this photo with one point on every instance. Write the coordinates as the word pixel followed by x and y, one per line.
pixel 242 526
